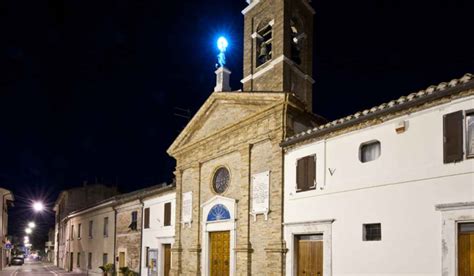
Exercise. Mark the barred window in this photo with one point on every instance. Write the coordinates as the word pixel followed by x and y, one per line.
pixel 372 232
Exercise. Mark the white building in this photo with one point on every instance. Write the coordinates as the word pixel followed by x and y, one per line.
pixel 158 233
pixel 387 191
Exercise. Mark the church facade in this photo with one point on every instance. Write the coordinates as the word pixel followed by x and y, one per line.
pixel 229 172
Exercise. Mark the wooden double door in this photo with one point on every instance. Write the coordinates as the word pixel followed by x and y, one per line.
pixel 466 249
pixel 309 255
pixel 219 255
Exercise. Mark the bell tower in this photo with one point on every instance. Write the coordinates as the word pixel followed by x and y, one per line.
pixel 278 46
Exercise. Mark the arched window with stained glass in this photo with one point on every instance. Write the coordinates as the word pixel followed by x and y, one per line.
pixel 218 212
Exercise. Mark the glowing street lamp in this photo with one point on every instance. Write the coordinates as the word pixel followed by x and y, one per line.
pixel 28 230
pixel 31 225
pixel 38 206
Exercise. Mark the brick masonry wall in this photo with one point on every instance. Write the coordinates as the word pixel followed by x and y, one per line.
pixel 250 145
pixel 127 240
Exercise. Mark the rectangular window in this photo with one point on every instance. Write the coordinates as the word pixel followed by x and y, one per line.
pixel 147 218
pixel 91 224
pixel 372 232
pixel 105 259
pixel 72 232
pixel 306 173
pixel 470 134
pixel 89 260
pixel 453 137
pixel 79 230
pixel 78 264
pixel 106 227
pixel 167 214
pixel 133 223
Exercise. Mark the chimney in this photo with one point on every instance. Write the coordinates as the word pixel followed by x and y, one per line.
pixel 222 80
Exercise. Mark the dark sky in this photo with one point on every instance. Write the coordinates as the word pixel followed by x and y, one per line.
pixel 89 89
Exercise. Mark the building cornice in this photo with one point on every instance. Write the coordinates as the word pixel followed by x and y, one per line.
pixel 272 64
pixel 455 206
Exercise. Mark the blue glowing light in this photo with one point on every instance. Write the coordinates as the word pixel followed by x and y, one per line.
pixel 222 44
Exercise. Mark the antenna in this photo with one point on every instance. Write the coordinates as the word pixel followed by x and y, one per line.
pixel 182 112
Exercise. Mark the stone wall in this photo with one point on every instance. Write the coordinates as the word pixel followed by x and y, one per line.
pixel 248 146
pixel 128 240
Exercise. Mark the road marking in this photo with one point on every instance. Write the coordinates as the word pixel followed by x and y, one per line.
pixel 52 271
pixel 15 272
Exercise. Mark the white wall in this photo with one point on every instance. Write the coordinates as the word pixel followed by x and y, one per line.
pixel 158 234
pixel 398 190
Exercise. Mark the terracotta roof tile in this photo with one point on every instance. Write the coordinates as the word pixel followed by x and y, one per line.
pixel 400 101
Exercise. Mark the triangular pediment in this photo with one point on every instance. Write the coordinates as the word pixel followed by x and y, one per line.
pixel 220 111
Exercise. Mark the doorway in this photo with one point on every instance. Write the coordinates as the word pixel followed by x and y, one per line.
pixel 71 261
pixel 466 249
pixel 219 253
pixel 309 255
pixel 121 259
pixel 167 259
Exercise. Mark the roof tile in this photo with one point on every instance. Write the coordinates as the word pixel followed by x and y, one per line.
pixel 404 99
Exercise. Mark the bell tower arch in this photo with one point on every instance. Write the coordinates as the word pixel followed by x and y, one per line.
pixel 278 46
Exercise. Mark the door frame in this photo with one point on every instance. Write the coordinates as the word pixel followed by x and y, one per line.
pixel 216 226
pixel 294 229
pixel 452 215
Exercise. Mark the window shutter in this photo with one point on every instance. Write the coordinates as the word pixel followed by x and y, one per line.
pixel 167 216
pixel 301 174
pixel 453 137
pixel 311 181
pixel 147 217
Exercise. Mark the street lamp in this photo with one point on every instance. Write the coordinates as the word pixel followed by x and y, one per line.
pixel 28 231
pixel 38 206
pixel 31 225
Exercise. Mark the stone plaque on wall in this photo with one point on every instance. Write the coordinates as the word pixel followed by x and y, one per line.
pixel 187 212
pixel 260 194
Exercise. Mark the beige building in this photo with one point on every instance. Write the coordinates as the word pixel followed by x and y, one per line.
pixel 7 199
pixel 107 232
pixel 229 172
pixel 91 238
pixel 69 201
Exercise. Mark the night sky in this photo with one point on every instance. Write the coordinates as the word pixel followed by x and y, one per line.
pixel 89 89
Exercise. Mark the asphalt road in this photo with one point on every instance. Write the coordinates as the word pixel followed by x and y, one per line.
pixel 36 269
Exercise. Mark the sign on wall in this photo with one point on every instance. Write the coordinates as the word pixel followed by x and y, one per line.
pixel 187 212
pixel 260 194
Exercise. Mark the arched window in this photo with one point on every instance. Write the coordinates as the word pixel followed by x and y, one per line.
pixel 218 212
pixel 264 43
pixel 297 39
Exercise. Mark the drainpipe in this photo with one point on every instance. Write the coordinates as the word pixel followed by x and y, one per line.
pixel 115 239
pixel 141 240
